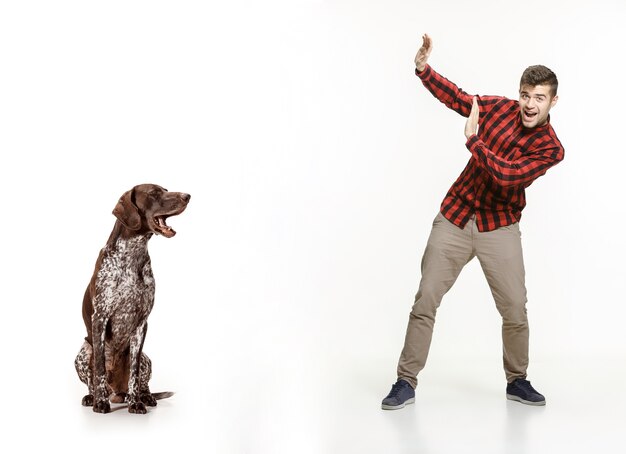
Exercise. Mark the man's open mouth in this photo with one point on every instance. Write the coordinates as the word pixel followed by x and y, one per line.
pixel 530 115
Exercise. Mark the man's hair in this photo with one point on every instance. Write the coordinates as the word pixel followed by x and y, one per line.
pixel 540 75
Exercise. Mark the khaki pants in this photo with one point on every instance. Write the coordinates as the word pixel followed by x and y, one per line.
pixel 448 249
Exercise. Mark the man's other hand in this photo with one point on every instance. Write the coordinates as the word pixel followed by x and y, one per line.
pixel 471 125
pixel 421 58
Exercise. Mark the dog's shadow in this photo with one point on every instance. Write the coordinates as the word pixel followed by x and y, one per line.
pixel 124 405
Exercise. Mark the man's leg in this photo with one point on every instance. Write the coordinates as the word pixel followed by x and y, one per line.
pixel 448 250
pixel 500 256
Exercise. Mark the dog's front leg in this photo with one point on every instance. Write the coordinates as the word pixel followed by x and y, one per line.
pixel 101 395
pixel 135 405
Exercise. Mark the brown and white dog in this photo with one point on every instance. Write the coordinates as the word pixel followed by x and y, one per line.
pixel 119 299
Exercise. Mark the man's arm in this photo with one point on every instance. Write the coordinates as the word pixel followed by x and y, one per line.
pixel 521 171
pixel 444 90
pixel 509 173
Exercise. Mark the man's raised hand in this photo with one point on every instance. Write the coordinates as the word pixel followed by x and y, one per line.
pixel 421 58
pixel 471 125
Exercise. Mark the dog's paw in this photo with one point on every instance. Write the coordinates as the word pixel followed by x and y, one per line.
pixel 137 408
pixel 87 401
pixel 148 399
pixel 102 406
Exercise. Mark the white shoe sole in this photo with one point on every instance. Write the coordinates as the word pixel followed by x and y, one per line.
pixel 398 407
pixel 527 402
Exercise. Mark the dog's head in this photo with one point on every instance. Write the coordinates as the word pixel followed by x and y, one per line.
pixel 146 207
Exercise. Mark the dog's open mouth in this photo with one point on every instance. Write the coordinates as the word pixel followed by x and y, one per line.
pixel 162 228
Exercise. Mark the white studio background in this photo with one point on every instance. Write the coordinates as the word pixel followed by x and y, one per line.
pixel 316 162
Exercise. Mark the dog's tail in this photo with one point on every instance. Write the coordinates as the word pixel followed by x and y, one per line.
pixel 163 395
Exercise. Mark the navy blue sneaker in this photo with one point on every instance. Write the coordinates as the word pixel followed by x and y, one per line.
pixel 521 391
pixel 400 395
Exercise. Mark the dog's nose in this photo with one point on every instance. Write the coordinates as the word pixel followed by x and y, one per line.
pixel 185 197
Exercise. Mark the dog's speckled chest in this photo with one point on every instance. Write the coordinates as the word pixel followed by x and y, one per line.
pixel 125 288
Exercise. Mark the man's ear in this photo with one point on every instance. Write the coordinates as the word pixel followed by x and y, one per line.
pixel 127 212
pixel 554 100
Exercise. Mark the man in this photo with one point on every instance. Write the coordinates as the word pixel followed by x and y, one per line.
pixel 479 218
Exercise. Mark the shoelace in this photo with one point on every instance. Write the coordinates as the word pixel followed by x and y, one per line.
pixel 396 388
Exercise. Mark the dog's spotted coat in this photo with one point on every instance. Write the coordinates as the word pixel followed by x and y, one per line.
pixel 119 299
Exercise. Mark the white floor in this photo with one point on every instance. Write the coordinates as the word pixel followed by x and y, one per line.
pixel 459 408
pixel 469 413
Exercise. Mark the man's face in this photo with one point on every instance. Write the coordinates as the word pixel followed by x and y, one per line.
pixel 535 104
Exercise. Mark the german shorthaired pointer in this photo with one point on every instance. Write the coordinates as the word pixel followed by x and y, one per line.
pixel 119 299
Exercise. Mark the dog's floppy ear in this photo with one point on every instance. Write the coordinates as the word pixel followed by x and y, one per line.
pixel 127 212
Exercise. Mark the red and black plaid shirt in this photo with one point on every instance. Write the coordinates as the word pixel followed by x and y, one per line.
pixel 506 158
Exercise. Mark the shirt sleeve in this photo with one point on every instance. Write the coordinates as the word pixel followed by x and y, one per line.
pixel 452 96
pixel 522 171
